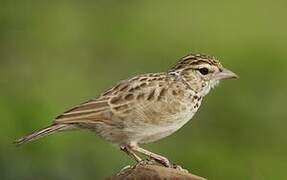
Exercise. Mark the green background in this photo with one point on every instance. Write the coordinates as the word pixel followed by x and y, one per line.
pixel 57 54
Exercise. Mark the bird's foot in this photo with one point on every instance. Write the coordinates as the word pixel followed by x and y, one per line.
pixel 125 170
pixel 166 163
pixel 146 162
pixel 163 161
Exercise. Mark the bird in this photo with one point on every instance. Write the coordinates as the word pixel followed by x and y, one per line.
pixel 145 108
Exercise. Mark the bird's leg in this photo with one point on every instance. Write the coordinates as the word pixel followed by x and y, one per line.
pixel 160 159
pixel 130 153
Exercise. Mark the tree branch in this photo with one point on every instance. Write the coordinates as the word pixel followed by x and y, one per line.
pixel 154 172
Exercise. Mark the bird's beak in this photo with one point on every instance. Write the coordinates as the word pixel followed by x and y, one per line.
pixel 226 74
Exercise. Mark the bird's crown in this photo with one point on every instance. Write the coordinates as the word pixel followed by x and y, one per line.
pixel 191 60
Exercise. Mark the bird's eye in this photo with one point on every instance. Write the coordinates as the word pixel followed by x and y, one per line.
pixel 203 71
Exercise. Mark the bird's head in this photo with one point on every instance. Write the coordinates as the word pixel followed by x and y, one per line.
pixel 202 72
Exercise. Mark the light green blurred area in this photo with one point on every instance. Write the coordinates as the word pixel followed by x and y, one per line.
pixel 57 54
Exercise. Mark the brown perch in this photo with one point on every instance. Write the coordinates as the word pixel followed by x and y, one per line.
pixel 154 172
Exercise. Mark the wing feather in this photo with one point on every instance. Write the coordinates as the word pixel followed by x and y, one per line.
pixel 135 96
pixel 92 110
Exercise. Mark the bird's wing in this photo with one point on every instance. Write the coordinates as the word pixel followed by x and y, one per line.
pixel 88 112
pixel 96 110
pixel 137 95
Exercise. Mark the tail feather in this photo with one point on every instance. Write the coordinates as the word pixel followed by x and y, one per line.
pixel 41 133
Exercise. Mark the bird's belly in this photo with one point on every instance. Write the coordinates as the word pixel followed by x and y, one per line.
pixel 151 133
pixel 144 128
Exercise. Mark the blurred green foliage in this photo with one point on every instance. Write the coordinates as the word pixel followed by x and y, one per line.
pixel 56 54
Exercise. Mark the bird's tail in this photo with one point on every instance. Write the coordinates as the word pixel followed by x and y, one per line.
pixel 41 133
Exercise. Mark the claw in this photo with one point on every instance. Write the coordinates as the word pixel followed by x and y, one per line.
pixel 163 161
pixel 177 167
pixel 146 162
pixel 124 170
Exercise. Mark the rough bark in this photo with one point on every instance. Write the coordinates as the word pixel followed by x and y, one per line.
pixel 154 172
